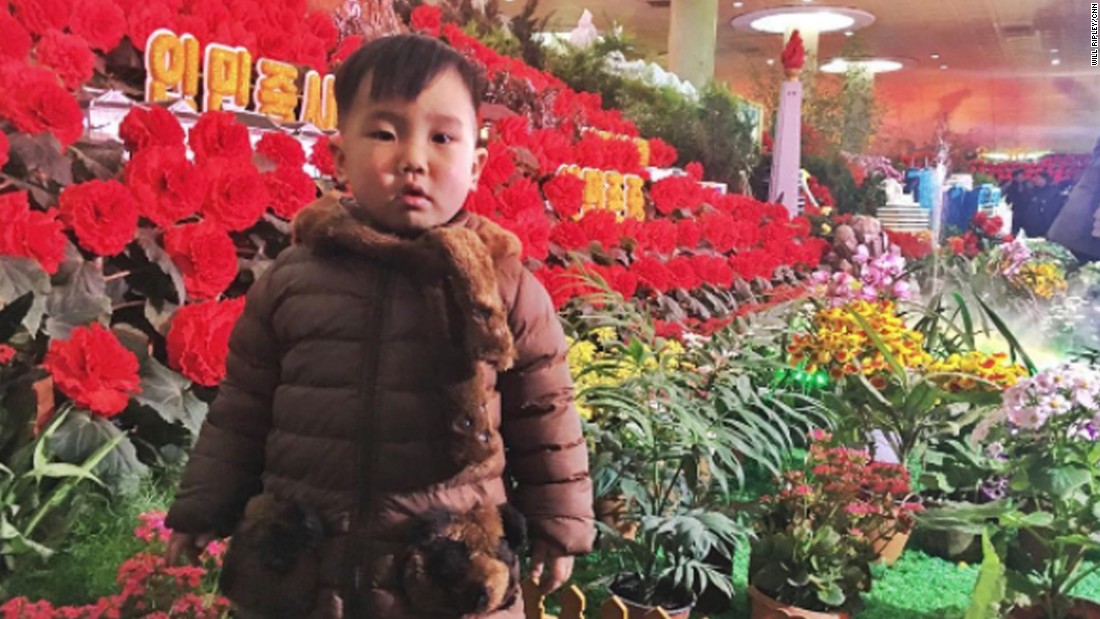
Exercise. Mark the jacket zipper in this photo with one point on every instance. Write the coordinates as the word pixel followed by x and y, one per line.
pixel 368 420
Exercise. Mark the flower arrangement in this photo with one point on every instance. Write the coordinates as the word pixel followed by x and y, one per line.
pixel 1044 438
pixel 814 544
pixel 148 587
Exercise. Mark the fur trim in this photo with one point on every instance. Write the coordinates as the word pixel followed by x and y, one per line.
pixel 460 259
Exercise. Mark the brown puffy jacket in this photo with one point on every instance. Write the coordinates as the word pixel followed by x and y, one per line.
pixel 341 394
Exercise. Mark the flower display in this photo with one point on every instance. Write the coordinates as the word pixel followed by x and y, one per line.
pixel 94 369
pixel 977 370
pixel 198 342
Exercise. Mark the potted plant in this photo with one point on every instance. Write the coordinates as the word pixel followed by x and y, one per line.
pixel 1045 436
pixel 673 559
pixel 816 540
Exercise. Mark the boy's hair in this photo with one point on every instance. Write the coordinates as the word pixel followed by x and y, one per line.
pixel 401 67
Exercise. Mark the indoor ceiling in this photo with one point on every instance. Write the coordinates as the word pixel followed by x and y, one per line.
pixel 1018 75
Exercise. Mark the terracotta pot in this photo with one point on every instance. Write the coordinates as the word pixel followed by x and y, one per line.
pixel 763 607
pixel 1082 609
pixel 949 545
pixel 889 543
pixel 612 511
pixel 639 611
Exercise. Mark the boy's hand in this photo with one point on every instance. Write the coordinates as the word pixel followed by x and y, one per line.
pixel 550 567
pixel 189 545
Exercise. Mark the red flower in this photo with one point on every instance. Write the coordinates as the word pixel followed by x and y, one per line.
pixel 676 192
pixel 321 157
pixel 151 16
pixel 513 130
pixel 150 126
pixel 218 134
pixel 7 353
pixel 622 281
pixel 499 167
pixel 205 255
pixel 282 150
pixel 168 188
pixel 569 235
pixel 566 194
pixel 661 154
pixel 5 146
pixel 658 235
pixel 68 55
pixel 41 15
pixel 600 226
pixel 100 22
pixel 688 234
pixel 713 270
pixel 236 194
pixel 533 230
pixel 103 214
pixel 320 23
pixel 35 103
pixel 347 47
pixel 668 330
pixel 654 274
pixel 198 340
pixel 94 369
pixel 15 41
pixel 482 202
pixel 290 189
pixel 684 275
pixel 30 234
pixel 427 19
pixel 552 147
pixel 520 197
pixel 694 170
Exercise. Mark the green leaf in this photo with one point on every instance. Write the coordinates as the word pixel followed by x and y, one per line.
pixel 168 393
pixel 1014 344
pixel 82 435
pixel 968 322
pixel 79 296
pixel 147 239
pixel 18 276
pixel 1059 482
pixel 989 590
pixel 12 315
pixel 899 370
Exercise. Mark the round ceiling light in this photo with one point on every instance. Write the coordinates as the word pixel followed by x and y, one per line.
pixel 868 65
pixel 824 19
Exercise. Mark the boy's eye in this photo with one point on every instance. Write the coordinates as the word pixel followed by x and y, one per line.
pixel 382 134
pixel 443 138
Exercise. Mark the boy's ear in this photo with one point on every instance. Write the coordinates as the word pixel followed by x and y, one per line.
pixel 481 155
pixel 336 147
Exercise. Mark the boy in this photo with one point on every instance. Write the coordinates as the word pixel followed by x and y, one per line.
pixel 389 358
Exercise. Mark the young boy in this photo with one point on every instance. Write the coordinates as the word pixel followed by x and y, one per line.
pixel 390 359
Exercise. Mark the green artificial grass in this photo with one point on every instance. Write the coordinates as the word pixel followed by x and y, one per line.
pixel 102 538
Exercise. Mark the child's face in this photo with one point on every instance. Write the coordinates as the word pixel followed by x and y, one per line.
pixel 410 164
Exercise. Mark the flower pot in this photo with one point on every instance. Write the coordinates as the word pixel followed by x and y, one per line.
pixel 612 511
pixel 889 547
pixel 1082 609
pixel 763 607
pixel 949 545
pixel 625 586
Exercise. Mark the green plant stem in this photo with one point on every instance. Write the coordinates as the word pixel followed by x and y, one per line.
pixel 668 491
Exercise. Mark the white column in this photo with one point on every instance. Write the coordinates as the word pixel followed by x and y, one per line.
pixel 692 38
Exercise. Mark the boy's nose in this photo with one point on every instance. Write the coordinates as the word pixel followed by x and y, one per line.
pixel 413 160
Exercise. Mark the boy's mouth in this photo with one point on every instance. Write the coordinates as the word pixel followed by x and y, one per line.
pixel 413 195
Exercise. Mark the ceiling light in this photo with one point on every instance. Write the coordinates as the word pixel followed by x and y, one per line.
pixel 1054 51
pixel 849 33
pixel 807 1
pixel 771 61
pixel 825 19
pixel 868 65
pixel 935 56
pixel 1056 61
pixel 738 5
pixel 943 66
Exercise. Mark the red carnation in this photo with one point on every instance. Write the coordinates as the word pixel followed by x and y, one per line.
pixel 235 195
pixel 167 186
pixel 520 197
pixel 15 41
pixel 482 202
pixel 218 134
pixel 659 236
pixel 566 194
pixel 622 281
pixel 427 19
pixel 654 273
pixel 499 167
pixel 600 226
pixel 552 147
pixel 533 230
pixel 694 170
pixel 100 22
pixel 676 192
pixel 661 154
pixel 206 256
pixel 688 234
pixel 290 189
pixel 347 47
pixel 68 55
pixel 103 214
pixel 713 270
pixel 312 53
pixel 7 353
pixel 282 150
pixel 321 157
pixel 150 126
pixel 513 130
pixel 149 17
pixel 41 15
pixel 198 341
pixel 36 103
pixel 94 369
pixel 5 146
pixel 683 273
pixel 30 234
pixel 569 235
pixel 321 25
